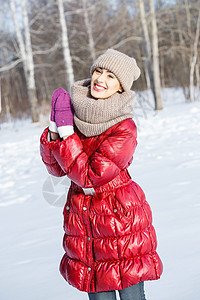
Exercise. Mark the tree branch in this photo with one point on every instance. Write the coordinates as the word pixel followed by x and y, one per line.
pixel 11 65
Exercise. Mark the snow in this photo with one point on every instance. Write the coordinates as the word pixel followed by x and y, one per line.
pixel 166 165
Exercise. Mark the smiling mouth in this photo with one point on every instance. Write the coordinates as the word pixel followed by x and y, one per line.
pixel 99 88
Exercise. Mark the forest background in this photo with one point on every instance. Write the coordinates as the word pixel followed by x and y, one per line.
pixel 46 44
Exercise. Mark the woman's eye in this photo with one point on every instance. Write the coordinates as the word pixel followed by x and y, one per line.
pixel 98 71
pixel 111 76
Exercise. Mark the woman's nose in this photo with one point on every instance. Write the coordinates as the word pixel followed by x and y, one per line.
pixel 101 77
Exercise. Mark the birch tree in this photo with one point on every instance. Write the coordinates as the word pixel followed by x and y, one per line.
pixel 65 45
pixel 89 31
pixel 147 48
pixel 194 64
pixel 151 52
pixel 156 70
pixel 0 96
pixel 26 56
pixel 182 47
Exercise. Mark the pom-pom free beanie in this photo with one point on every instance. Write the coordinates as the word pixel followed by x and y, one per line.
pixel 121 65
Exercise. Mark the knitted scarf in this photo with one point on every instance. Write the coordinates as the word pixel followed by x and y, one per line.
pixel 94 116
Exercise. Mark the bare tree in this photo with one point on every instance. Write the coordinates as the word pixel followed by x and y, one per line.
pixel 89 30
pixel 188 18
pixel 65 45
pixel 26 56
pixel 152 70
pixel 182 47
pixel 193 96
pixel 147 48
pixel 156 70
pixel 0 96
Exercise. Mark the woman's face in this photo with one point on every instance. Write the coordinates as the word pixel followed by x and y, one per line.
pixel 104 84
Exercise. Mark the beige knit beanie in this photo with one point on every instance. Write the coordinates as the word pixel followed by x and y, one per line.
pixel 121 65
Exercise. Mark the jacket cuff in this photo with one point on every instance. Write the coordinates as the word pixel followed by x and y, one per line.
pixel 65 130
pixel 45 138
pixel 52 126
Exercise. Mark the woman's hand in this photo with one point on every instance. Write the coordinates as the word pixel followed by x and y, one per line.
pixel 61 114
pixel 54 136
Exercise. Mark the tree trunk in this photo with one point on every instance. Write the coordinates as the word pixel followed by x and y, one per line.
pixel 0 96
pixel 194 61
pixel 147 48
pixel 150 79
pixel 197 97
pixel 188 18
pixel 65 46
pixel 8 114
pixel 183 54
pixel 156 70
pixel 89 31
pixel 30 65
pixel 162 71
pixel 27 57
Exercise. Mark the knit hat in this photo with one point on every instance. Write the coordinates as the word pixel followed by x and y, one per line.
pixel 121 65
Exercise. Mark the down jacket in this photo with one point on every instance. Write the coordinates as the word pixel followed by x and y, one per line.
pixel 109 240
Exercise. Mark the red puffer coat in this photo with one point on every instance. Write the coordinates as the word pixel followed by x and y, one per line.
pixel 109 239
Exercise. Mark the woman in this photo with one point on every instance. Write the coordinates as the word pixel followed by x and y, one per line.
pixel 109 241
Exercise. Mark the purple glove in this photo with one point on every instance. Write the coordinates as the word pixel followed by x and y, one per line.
pixel 55 95
pixel 62 113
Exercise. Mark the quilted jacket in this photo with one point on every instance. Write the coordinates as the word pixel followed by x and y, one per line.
pixel 109 240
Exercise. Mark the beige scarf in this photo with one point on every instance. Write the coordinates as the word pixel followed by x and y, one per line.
pixel 94 116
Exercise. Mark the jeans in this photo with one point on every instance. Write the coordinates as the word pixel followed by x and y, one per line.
pixel 134 292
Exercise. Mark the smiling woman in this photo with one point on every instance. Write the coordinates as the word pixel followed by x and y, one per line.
pixel 104 84
pixel 109 241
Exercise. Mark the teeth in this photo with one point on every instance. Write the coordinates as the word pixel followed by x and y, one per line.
pixel 99 87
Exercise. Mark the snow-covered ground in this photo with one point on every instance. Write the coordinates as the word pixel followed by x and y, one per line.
pixel 166 165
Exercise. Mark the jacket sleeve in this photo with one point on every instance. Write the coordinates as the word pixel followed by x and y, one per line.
pixel 113 155
pixel 47 156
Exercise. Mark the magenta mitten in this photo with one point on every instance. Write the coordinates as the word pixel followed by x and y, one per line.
pixel 63 111
pixel 52 125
